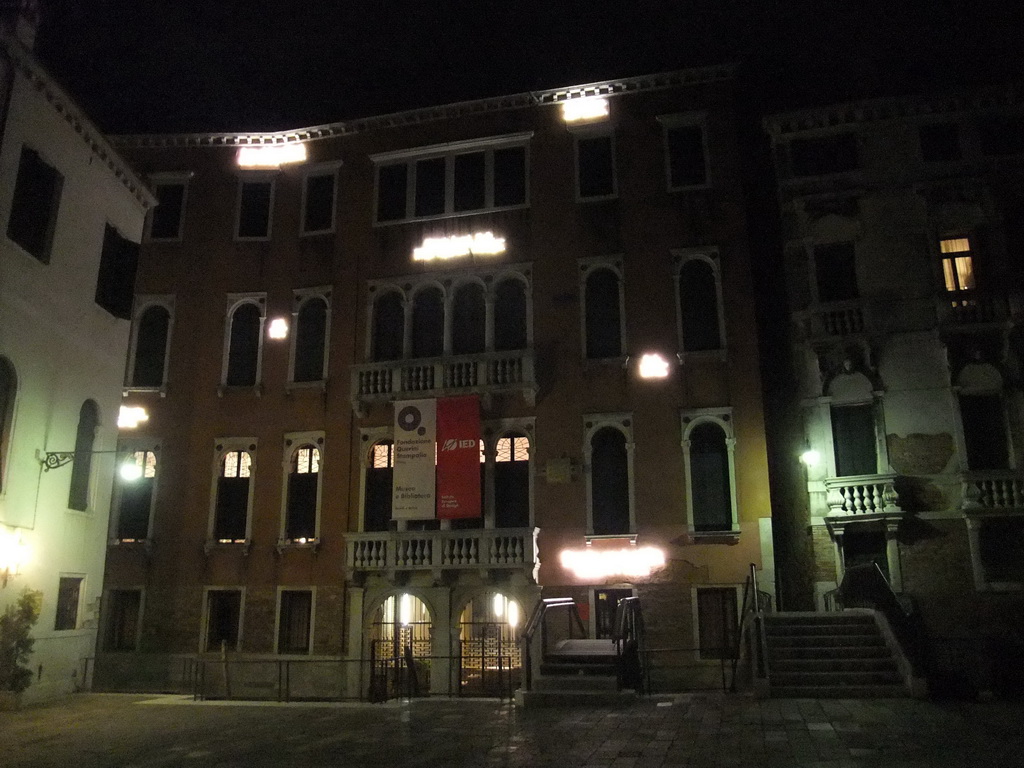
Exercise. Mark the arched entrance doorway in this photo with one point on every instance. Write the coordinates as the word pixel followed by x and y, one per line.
pixel 490 662
pixel 400 648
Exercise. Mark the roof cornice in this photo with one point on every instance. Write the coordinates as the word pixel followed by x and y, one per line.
pixel 645 83
pixel 25 63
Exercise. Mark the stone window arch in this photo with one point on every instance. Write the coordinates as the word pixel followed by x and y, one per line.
pixel 710 471
pixel 81 467
pixel 151 341
pixel 699 302
pixel 608 456
pixel 310 341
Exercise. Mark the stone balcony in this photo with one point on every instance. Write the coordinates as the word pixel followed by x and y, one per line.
pixel 834 319
pixel 863 496
pixel 992 490
pixel 483 374
pixel 977 310
pixel 439 551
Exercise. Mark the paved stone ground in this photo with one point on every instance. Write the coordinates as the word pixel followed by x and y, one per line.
pixel 689 730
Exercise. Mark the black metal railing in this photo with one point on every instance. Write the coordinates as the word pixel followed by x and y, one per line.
pixel 630 636
pixel 538 621
pixel 754 606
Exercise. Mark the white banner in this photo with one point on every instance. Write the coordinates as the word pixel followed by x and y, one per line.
pixel 412 496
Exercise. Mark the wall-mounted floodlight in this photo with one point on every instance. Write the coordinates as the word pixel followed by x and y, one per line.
pixel 653 366
pixel 13 555
pixel 479 244
pixel 810 458
pixel 130 416
pixel 589 109
pixel 271 155
pixel 593 565
pixel 278 328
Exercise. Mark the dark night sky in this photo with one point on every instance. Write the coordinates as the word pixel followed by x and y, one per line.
pixel 182 65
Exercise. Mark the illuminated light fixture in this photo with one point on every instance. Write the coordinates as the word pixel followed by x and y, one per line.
pixel 271 155
pixel 592 565
pixel 578 110
pixel 482 243
pixel 129 417
pixel 499 606
pixel 513 614
pixel 13 554
pixel 653 366
pixel 405 610
pixel 130 471
pixel 278 328
pixel 810 458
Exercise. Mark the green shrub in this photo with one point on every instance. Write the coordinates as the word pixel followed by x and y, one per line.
pixel 15 642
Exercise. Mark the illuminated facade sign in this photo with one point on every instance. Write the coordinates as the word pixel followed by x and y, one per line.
pixel 481 243
pixel 595 564
pixel 271 155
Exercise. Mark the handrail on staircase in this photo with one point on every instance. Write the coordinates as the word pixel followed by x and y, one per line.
pixel 537 619
pixel 752 608
pixel 630 637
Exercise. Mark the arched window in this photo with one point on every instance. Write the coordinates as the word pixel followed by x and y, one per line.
pixel 603 315
pixel 401 627
pixel 428 323
pixel 244 346
pixel 8 391
pixel 609 482
pixel 151 331
pixel 135 496
pixel 81 468
pixel 698 306
pixel 489 653
pixel 310 340
pixel 380 472
pixel 469 318
pixel 510 316
pixel 710 478
pixel 512 482
pixel 388 327
pixel 231 513
pixel 303 493
pixel 983 416
pixel 854 430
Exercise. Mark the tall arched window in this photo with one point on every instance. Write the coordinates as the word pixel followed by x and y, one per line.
pixel 698 306
pixel 710 483
pixel 983 417
pixel 380 472
pixel 310 340
pixel 8 391
pixel 135 498
pixel 512 482
pixel 401 627
pixel 388 327
pixel 151 331
pixel 609 482
pixel 244 346
pixel 428 323
pixel 510 316
pixel 81 468
pixel 469 318
pixel 603 314
pixel 231 513
pixel 303 493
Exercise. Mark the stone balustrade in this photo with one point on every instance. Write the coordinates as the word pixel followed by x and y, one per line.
pixel 862 495
pixel 442 550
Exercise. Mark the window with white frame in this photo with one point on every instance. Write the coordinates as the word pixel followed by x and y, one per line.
pixel 699 301
pixel 377 486
pixel 243 342
pixel 595 165
pixel 608 455
pixel 294 620
pixel 254 211
pixel 469 318
pixel 835 272
pixel 8 394
pixel 166 221
pixel 983 417
pixel 223 614
pixel 69 599
pixel 602 308
pixel 717 622
pixel 512 496
pixel 123 624
pixel 232 491
pixel 428 322
pixel 710 470
pixel 958 269
pixel 452 179
pixel 319 192
pixel 302 487
pixel 686 155
pixel 81 467
pixel 310 339
pixel 151 341
pixel 134 494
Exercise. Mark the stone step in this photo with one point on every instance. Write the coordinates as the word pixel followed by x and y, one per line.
pixel 819 618
pixel 826 641
pixel 782 630
pixel 834 678
pixel 838 691
pixel 877 651
pixel 535 698
pixel 838 664
pixel 575 683
pixel 570 669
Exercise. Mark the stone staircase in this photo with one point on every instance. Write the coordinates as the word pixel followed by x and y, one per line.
pixel 830 655
pixel 577 673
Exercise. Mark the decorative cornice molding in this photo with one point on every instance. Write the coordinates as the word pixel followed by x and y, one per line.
pixel 26 64
pixel 645 83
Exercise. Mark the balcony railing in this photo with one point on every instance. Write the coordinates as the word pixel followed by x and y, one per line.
pixel 487 373
pixel 837 318
pixel 442 550
pixel 992 490
pixel 862 495
pixel 974 308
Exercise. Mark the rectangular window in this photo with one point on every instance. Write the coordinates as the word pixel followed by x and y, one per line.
pixel 115 282
pixel 824 155
pixel 717 622
pixel 223 619
pixel 595 167
pixel 124 610
pixel 295 621
pixel 69 593
pixel 318 195
pixel 835 271
pixel 686 156
pixel 165 223
pixel 472 177
pixel 853 435
pixel 940 142
pixel 34 205
pixel 231 510
pixel 135 497
pixel 255 202
pixel 957 264
pixel 984 422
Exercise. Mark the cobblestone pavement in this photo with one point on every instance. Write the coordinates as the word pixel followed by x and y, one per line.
pixel 688 730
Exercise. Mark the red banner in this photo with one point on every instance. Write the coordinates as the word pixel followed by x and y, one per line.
pixel 458 457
